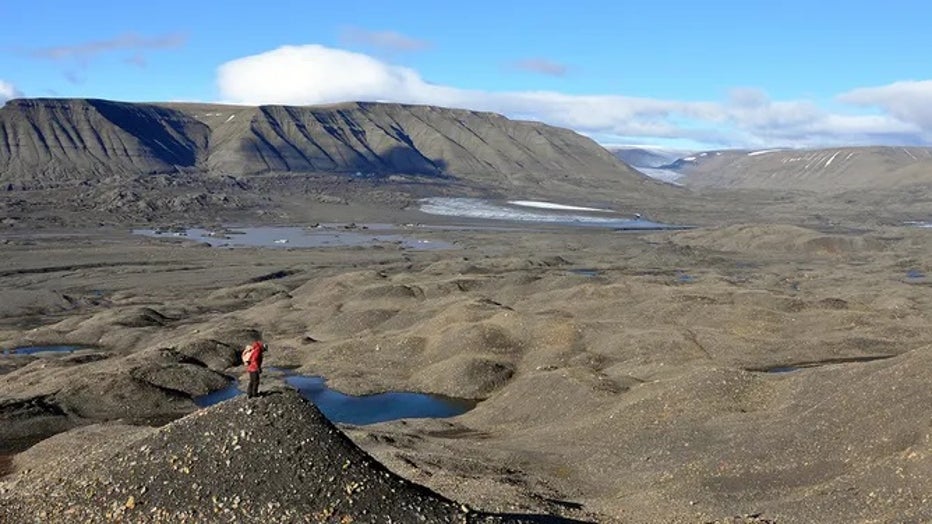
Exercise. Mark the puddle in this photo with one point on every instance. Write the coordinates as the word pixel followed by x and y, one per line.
pixel 684 278
pixel 32 350
pixel 330 235
pixel 915 276
pixel 348 409
pixel 585 272
pixel 786 369
pixel 218 396
pixel 381 407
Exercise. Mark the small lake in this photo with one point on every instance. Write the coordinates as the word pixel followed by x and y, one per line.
pixel 381 407
pixel 321 236
pixel 32 350
pixel 358 410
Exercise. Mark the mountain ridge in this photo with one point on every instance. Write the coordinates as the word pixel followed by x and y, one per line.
pixel 46 141
pixel 821 170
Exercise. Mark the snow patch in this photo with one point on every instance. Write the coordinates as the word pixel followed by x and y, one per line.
pixel 833 158
pixel 231 118
pixel 551 205
pixel 763 152
pixel 478 208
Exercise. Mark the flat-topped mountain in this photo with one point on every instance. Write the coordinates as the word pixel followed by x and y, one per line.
pixel 56 141
pixel 832 170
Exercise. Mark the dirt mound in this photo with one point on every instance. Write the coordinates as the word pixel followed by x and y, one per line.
pixel 754 238
pixel 272 459
pixel 50 395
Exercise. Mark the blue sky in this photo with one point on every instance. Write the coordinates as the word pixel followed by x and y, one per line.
pixel 679 73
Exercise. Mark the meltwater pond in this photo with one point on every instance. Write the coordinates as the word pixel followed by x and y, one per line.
pixel 331 235
pixel 358 410
pixel 381 407
pixel 32 350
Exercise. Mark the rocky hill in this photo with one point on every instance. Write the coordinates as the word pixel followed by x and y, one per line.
pixel 272 459
pixel 46 142
pixel 822 170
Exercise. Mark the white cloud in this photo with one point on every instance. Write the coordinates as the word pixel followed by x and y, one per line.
pixel 909 101
pixel 8 91
pixel 314 74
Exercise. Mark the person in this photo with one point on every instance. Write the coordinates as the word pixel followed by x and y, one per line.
pixel 252 357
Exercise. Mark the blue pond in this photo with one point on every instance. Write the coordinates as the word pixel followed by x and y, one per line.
pixel 381 407
pixel 367 409
pixel 218 396
pixel 32 350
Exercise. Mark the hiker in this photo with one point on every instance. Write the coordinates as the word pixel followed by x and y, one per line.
pixel 252 358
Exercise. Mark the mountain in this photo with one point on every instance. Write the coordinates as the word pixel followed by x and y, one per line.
pixel 48 142
pixel 833 170
pixel 54 140
pixel 651 157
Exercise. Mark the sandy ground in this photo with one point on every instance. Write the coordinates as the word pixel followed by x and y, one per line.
pixel 623 377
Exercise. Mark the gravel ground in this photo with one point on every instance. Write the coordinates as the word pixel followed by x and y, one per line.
pixel 270 459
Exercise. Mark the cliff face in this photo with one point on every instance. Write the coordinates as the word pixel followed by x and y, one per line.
pixel 51 140
pixel 60 140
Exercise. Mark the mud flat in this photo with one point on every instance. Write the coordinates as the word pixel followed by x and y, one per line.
pixel 620 376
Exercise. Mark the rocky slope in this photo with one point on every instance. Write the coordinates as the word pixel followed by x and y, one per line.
pixel 44 141
pixel 47 141
pixel 822 170
pixel 271 459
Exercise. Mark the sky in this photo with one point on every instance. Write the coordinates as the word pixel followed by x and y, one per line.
pixel 677 73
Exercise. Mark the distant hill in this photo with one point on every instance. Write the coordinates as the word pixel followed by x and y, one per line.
pixel 833 170
pixel 48 142
pixel 646 157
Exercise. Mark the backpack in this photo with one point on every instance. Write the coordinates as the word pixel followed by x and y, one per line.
pixel 247 353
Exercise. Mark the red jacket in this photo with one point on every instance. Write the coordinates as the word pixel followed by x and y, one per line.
pixel 255 361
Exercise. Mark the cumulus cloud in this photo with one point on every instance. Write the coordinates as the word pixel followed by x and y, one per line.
pixel 909 101
pixel 541 66
pixel 314 74
pixel 747 117
pixel 385 40
pixel 8 91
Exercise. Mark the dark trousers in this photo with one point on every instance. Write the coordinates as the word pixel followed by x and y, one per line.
pixel 253 390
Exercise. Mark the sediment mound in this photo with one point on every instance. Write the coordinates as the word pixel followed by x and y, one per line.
pixel 272 459
pixel 758 238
